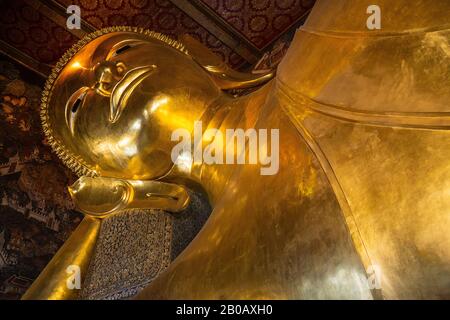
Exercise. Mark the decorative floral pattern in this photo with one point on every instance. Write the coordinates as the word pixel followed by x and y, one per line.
pixel 157 15
pixel 135 246
pixel 260 21
pixel 29 31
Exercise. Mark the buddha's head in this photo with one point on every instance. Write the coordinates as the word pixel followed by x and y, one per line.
pixel 114 99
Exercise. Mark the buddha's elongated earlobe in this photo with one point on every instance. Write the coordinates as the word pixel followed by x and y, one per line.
pixel 225 77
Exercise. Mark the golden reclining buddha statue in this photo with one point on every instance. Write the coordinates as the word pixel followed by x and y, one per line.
pixel 363 177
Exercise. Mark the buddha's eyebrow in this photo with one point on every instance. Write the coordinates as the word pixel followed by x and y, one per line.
pixel 122 46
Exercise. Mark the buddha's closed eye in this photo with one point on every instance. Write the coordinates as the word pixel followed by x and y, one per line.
pixel 73 106
pixel 122 47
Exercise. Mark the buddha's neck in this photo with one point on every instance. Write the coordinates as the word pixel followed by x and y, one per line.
pixel 224 113
pixel 227 113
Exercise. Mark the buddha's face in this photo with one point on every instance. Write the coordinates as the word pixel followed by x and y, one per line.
pixel 117 101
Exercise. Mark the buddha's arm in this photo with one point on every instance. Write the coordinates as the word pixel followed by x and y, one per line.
pixel 77 251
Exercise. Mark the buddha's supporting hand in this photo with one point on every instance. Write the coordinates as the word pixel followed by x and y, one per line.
pixel 97 198
pixel 100 197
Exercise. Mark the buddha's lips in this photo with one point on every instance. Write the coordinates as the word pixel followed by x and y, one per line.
pixel 124 88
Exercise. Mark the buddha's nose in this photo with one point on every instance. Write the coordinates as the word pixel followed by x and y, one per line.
pixel 107 74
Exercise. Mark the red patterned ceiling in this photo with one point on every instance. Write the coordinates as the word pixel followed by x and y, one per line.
pixel 158 15
pixel 260 21
pixel 32 33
